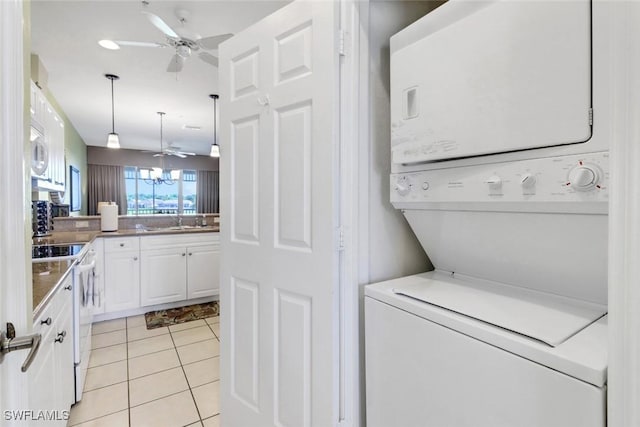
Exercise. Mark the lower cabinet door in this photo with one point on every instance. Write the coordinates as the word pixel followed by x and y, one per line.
pixel 42 376
pixel 203 271
pixel 163 276
pixel 64 355
pixel 121 281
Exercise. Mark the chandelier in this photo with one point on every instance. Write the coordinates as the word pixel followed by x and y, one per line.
pixel 158 175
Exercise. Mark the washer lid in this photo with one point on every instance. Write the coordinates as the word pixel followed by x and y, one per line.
pixel 548 318
pixel 514 75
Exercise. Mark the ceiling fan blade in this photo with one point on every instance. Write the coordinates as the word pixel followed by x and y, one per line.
pixel 176 64
pixel 158 155
pixel 212 42
pixel 138 44
pixel 161 25
pixel 182 156
pixel 208 58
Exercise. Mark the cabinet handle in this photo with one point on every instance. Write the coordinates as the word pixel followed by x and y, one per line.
pixel 61 336
pixel 122 245
pixel 135 258
pixel 46 322
pixel 190 253
pixel 68 288
pixel 183 254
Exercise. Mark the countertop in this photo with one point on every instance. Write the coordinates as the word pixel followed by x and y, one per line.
pixel 48 275
pixel 63 237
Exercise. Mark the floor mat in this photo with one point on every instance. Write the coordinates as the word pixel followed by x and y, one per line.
pixel 174 316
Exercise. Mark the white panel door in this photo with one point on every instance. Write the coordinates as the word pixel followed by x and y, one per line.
pixel 279 116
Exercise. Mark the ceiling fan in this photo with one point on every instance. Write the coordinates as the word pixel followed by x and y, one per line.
pixel 184 41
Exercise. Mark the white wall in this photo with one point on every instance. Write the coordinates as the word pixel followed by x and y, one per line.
pixel 394 250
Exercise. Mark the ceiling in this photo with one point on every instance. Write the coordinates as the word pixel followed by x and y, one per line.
pixel 65 35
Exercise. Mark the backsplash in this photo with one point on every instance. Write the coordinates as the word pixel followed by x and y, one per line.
pixel 92 223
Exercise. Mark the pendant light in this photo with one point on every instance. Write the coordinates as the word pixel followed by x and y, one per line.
pixel 113 141
pixel 215 148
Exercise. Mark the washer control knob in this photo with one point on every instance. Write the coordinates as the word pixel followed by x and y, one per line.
pixel 528 180
pixel 495 182
pixel 583 178
pixel 403 186
pixel 425 185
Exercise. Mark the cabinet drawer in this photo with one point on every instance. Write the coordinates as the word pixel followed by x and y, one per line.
pixel 119 244
pixel 153 242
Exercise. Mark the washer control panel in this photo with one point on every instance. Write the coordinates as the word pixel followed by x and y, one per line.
pixel 572 178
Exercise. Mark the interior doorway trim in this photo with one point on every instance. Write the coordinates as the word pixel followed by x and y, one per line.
pixel 624 221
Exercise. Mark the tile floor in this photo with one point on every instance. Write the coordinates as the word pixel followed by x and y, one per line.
pixel 165 377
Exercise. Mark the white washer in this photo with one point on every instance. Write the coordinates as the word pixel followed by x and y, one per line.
pixel 499 147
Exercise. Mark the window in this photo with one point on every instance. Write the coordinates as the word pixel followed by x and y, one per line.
pixel 146 196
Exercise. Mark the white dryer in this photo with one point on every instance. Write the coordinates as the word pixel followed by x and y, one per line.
pixel 500 122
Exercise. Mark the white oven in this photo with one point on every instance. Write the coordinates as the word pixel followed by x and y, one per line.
pixel 499 149
pixel 86 298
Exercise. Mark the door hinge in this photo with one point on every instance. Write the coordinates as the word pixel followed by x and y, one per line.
pixel 340 239
pixel 341 38
pixel 590 116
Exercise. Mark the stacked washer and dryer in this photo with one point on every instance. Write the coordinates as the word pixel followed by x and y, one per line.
pixel 500 116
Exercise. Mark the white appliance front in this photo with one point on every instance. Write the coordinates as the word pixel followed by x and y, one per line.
pixel 84 301
pixel 424 374
pixel 500 126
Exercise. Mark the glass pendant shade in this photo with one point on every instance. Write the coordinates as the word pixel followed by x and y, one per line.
pixel 175 175
pixel 215 151
pixel 144 173
pixel 156 173
pixel 113 141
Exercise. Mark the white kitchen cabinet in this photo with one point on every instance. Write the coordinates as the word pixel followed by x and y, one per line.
pixel 162 276
pixel 121 274
pixel 203 271
pixel 51 374
pixel 158 269
pixel 51 146
pixel 179 267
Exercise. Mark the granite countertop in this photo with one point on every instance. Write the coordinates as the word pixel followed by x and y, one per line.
pixel 48 275
pixel 63 237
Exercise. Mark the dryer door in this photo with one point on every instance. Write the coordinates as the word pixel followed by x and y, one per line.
pixel 470 80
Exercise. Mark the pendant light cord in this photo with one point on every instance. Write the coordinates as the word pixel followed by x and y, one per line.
pixel 215 121
pixel 215 118
pixel 113 114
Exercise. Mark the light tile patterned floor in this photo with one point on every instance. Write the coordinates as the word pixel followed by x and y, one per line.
pixel 165 377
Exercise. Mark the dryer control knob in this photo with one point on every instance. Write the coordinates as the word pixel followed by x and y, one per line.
pixel 583 178
pixel 528 180
pixel 403 186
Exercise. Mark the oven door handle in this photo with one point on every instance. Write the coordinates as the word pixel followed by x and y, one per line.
pixel 85 267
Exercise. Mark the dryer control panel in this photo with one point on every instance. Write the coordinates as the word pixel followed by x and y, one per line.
pixel 565 180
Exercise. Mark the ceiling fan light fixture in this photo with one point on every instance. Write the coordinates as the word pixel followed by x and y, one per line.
pixel 215 151
pixel 109 44
pixel 113 141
